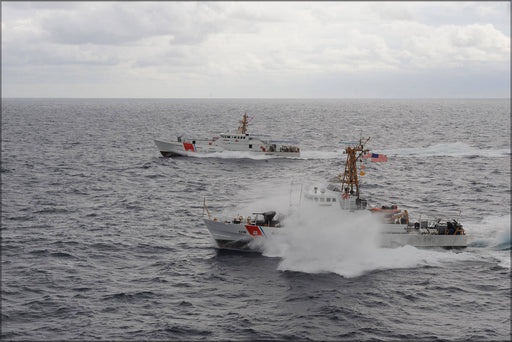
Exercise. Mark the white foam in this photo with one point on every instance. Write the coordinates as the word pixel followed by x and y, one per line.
pixel 319 240
pixel 492 231
pixel 304 155
pixel 231 155
pixel 307 155
pixel 502 258
pixel 457 149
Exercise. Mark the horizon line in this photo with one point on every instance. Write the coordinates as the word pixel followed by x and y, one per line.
pixel 258 98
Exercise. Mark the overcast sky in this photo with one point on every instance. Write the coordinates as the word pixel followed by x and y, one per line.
pixel 256 49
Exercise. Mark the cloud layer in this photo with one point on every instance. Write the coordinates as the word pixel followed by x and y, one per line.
pixel 256 49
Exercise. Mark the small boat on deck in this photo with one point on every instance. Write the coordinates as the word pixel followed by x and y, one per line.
pixel 395 227
pixel 239 141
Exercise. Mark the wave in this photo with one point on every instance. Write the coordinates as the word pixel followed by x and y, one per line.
pixel 491 231
pixel 63 255
pixel 123 296
pixel 457 149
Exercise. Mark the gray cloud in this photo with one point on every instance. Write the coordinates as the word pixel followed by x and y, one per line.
pixel 269 48
pixel 113 24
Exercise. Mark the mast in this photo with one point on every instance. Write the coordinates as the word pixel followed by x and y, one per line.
pixel 243 125
pixel 349 178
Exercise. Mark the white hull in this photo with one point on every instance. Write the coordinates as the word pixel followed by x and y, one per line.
pixel 239 235
pixel 174 148
pixel 191 147
pixel 423 240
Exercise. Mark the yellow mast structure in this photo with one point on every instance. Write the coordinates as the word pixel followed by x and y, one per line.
pixel 243 125
pixel 349 178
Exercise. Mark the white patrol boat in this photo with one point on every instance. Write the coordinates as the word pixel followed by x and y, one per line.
pixel 395 228
pixel 239 141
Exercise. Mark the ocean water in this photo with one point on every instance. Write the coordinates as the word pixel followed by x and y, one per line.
pixel 102 238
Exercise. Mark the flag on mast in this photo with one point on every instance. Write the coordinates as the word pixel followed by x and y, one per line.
pixel 375 157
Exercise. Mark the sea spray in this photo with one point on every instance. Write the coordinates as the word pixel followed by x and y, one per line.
pixel 265 196
pixel 491 231
pixel 491 238
pixel 326 239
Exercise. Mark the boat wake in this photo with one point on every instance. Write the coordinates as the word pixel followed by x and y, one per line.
pixel 304 155
pixel 233 155
pixel 313 155
pixel 457 149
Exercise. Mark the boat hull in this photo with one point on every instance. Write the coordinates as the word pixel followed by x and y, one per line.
pixel 240 235
pixel 423 240
pixel 190 148
pixel 175 148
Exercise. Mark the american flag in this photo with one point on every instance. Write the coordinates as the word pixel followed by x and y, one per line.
pixel 375 157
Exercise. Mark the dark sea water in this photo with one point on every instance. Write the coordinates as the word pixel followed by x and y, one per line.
pixel 102 238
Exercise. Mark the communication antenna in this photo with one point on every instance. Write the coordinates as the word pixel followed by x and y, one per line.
pixel 205 208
